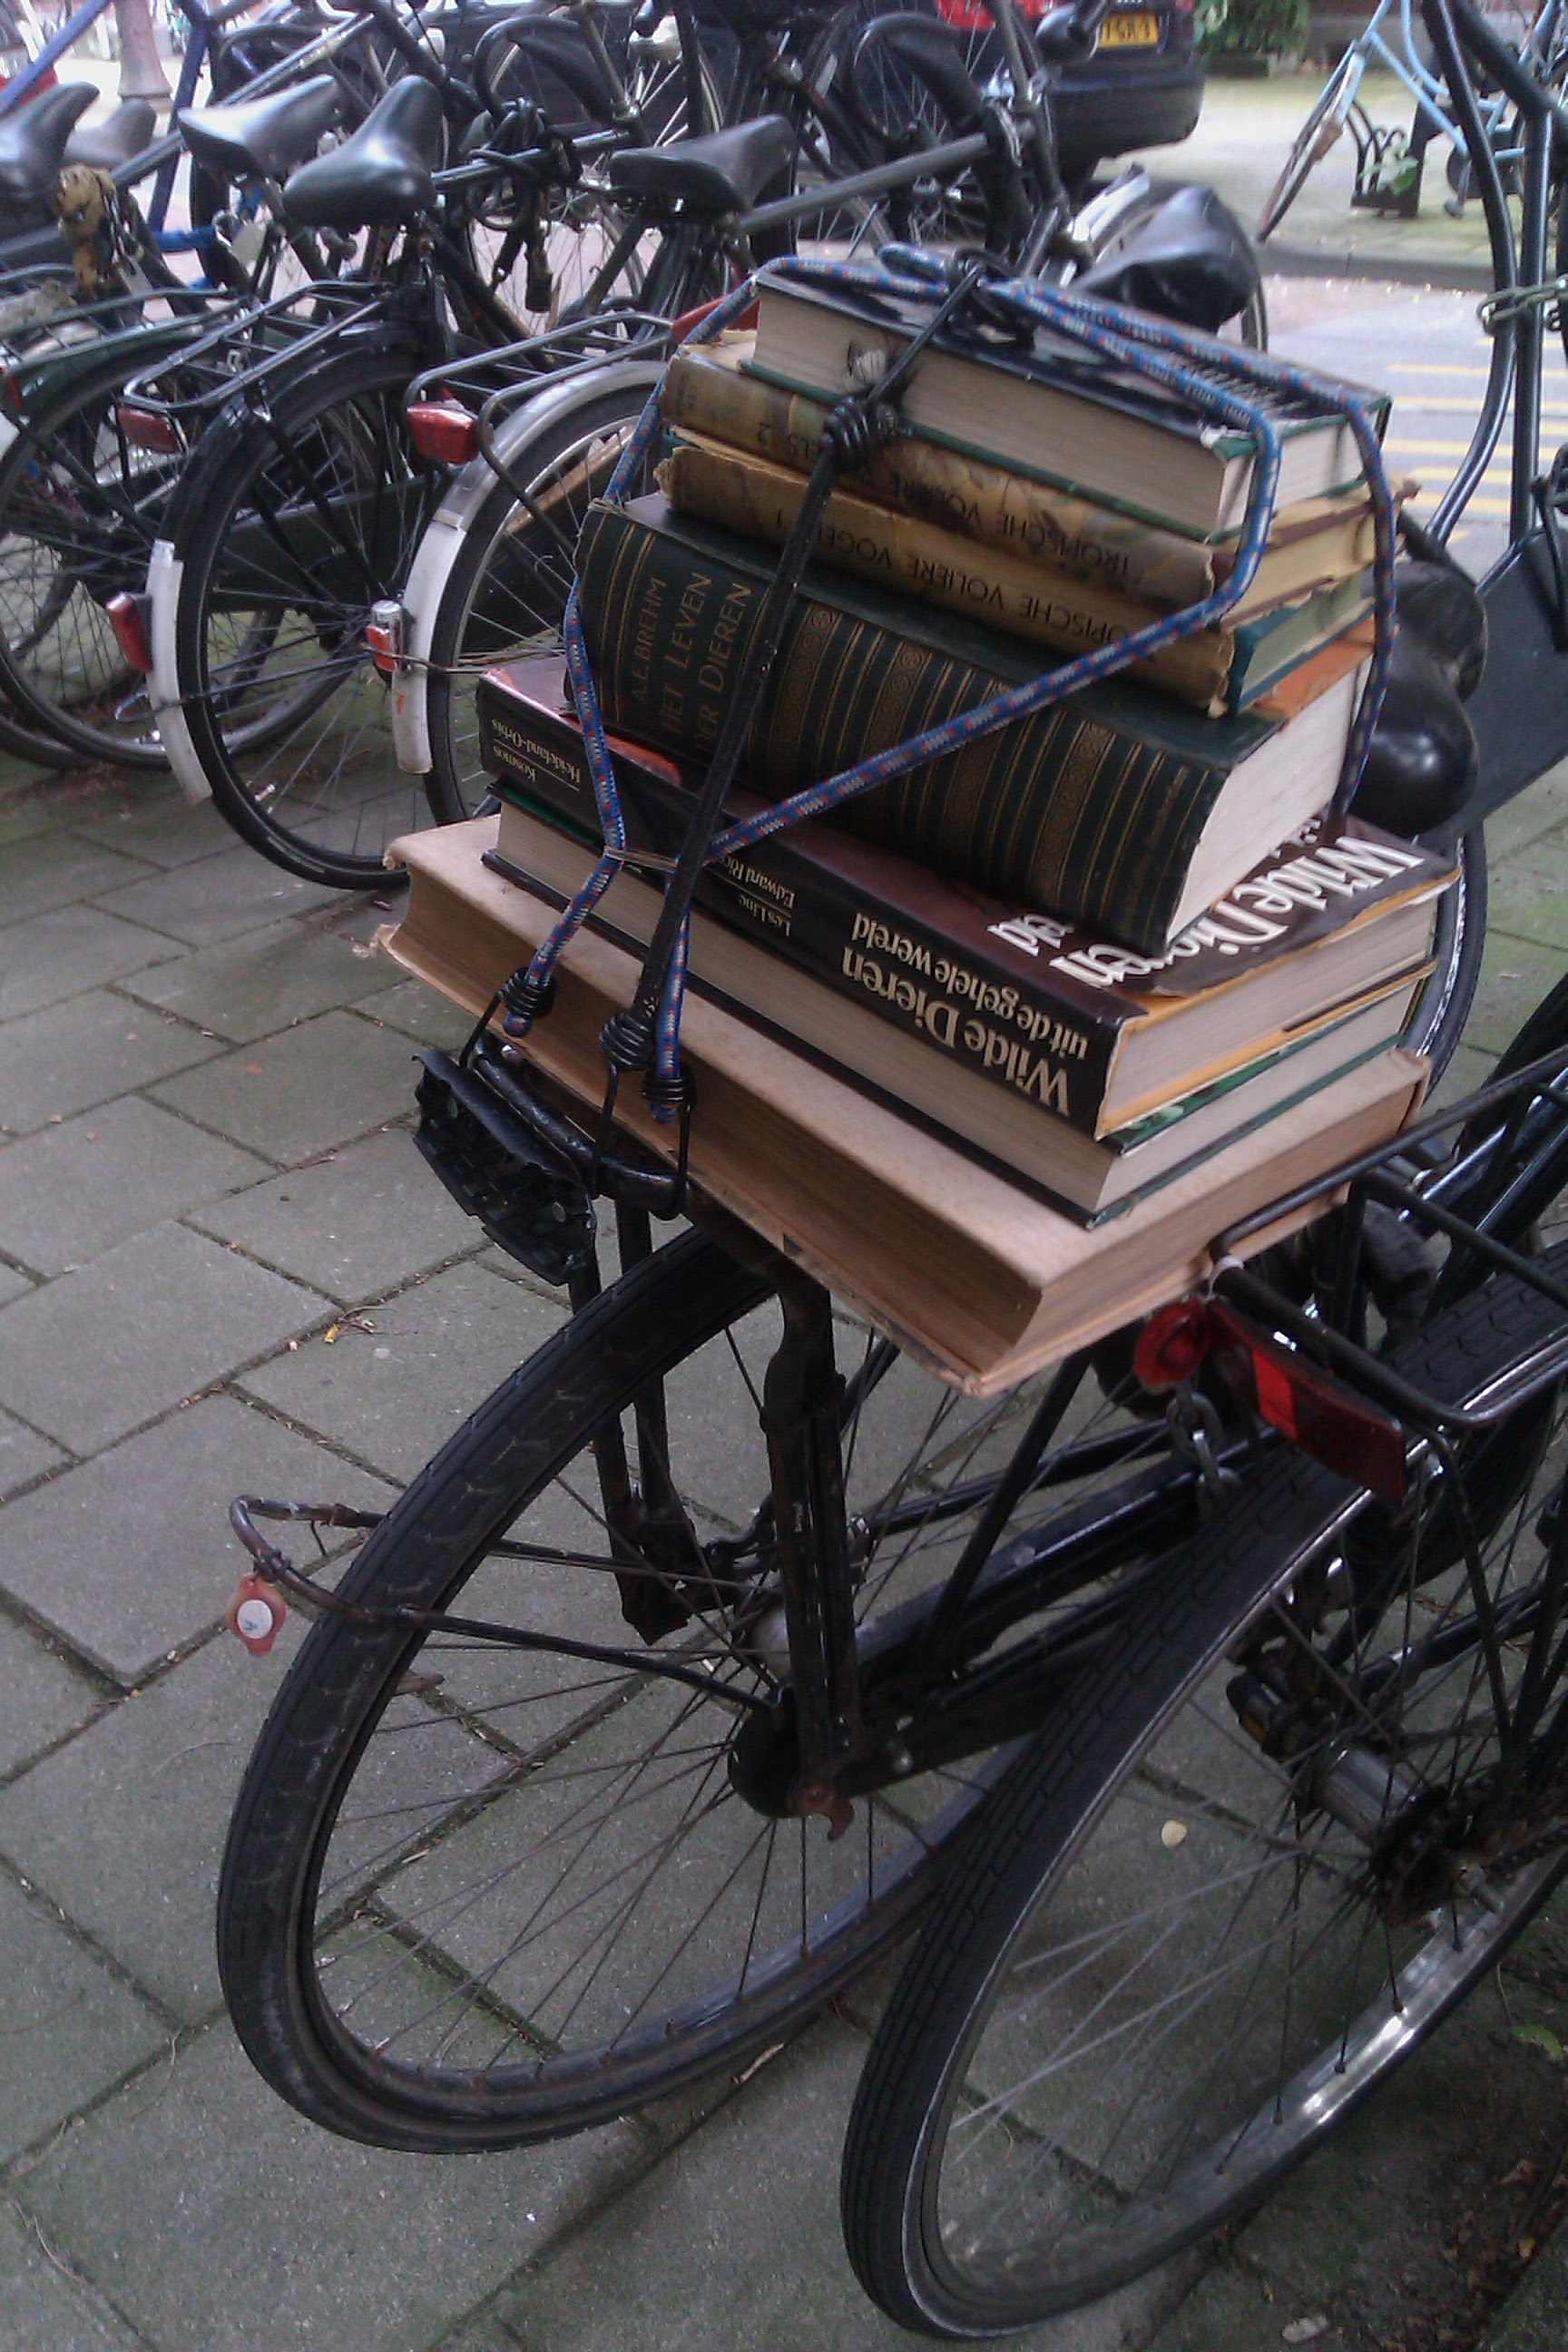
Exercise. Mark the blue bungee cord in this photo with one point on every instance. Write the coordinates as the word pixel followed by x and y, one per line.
pixel 1145 346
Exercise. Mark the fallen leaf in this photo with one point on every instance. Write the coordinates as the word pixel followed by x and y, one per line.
pixel 1304 2331
pixel 331 1333
pixel 1541 2037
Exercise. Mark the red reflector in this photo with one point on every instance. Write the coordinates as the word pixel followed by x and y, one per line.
pixel 129 622
pixel 1172 1344
pixel 1325 1420
pixel 11 390
pixel 443 430
pixel 145 429
pixel 689 319
pixel 382 646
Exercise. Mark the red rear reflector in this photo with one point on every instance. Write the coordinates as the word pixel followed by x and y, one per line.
pixel 1172 1344
pixel 1327 1420
pixel 145 429
pixel 129 622
pixel 444 431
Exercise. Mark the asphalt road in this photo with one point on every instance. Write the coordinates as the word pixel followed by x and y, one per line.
pixel 1429 351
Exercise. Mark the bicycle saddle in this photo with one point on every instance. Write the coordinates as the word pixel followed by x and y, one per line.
pixel 106 145
pixel 724 172
pixel 381 177
pixel 1190 261
pixel 33 141
pixel 269 137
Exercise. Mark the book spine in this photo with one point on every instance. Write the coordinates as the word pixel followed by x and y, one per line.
pixel 900 551
pixel 903 970
pixel 1015 513
pixel 1059 810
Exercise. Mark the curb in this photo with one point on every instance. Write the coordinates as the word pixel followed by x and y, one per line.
pixel 1386 269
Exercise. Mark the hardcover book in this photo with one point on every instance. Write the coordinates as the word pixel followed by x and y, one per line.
pixel 709 389
pixel 1114 807
pixel 1226 666
pixel 942 1257
pixel 1012 1128
pixel 1093 428
pixel 1100 1034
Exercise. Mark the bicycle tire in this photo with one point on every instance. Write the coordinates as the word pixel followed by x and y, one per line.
pixel 1437 1018
pixel 1323 127
pixel 418 1902
pixel 284 767
pixel 500 600
pixel 1125 1759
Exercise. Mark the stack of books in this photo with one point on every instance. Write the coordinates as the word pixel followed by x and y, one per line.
pixel 1090 947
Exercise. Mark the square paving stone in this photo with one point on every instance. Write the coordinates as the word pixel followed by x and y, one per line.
pixel 124 1828
pixel 130 1555
pixel 216 898
pixel 267 980
pixel 52 868
pixel 394 1395
pixel 355 1224
pixel 1541 809
pixel 24 813
pixel 12 1284
pixel 152 820
pixel 218 2221
pixel 733 2239
pixel 57 955
pixel 80 1053
pixel 1526 896
pixel 419 1012
pixel 45 1696
pixel 1226 2313
pixel 41 2307
pixel 292 1096
pixel 70 1193
pixel 1515 975
pixel 23 1455
pixel 90 1357
pixel 71 2029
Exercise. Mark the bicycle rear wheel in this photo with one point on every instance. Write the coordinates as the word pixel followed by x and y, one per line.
pixel 287 528
pixel 474 1895
pixel 1312 142
pixel 1248 1871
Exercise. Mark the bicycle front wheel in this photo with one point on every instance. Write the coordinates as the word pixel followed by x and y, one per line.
pixel 1250 1868
pixel 1312 142
pixel 478 1894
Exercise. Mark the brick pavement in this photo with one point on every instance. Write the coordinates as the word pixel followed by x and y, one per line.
pixel 205 1087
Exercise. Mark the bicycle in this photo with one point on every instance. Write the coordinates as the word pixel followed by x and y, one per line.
pixel 325 806
pixel 1389 163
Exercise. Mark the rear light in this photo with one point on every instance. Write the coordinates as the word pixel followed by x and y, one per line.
pixel 145 428
pixel 128 619
pixel 1325 1419
pixel 444 431
pixel 384 634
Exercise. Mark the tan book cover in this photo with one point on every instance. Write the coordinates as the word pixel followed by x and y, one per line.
pixel 710 391
pixel 1015 592
pixel 951 1262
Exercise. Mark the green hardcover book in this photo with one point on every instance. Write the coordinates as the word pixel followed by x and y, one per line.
pixel 1092 428
pixel 1116 808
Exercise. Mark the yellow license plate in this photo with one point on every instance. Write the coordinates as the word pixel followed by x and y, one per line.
pixel 1130 29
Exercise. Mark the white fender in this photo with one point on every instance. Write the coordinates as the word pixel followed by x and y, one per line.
pixel 165 572
pixel 442 543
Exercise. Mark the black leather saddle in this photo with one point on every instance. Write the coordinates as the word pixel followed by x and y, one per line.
pixel 552 67
pixel 264 138
pixel 107 145
pixel 1189 261
pixel 382 174
pixel 33 141
pixel 1424 766
pixel 724 172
